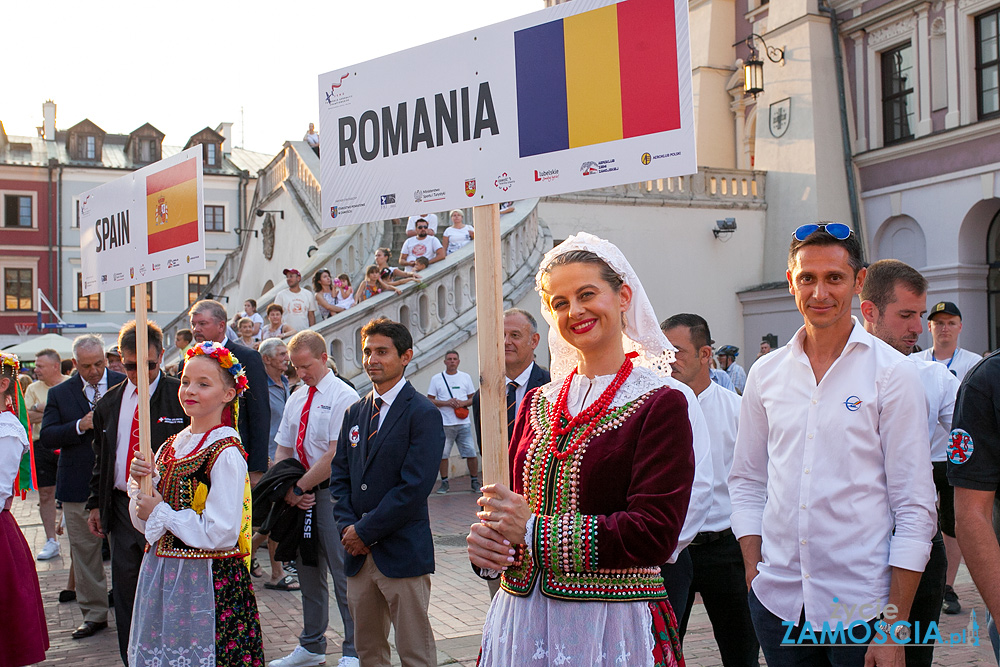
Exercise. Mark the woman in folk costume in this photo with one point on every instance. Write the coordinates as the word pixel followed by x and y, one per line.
pixel 194 602
pixel 24 638
pixel 601 468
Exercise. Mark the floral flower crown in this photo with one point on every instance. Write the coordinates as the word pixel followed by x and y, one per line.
pixel 8 359
pixel 225 358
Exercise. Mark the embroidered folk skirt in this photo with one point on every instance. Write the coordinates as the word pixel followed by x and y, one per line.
pixel 24 638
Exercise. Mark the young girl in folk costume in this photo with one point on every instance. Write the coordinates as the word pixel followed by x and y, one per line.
pixel 601 469
pixel 24 638
pixel 194 603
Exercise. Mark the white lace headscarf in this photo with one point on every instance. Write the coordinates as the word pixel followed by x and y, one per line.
pixel 642 332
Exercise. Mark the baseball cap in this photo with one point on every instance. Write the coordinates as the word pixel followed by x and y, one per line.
pixel 114 350
pixel 295 271
pixel 945 307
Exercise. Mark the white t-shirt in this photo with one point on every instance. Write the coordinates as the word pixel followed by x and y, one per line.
pixel 458 238
pixel 415 247
pixel 461 388
pixel 960 363
pixel 297 307
pixel 431 218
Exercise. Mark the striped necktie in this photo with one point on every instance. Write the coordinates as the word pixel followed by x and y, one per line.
pixel 511 407
pixel 373 422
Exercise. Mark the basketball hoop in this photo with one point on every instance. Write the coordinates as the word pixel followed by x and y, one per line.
pixel 23 328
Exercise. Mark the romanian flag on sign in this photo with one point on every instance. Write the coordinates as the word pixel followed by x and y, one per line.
pixel 603 75
pixel 172 207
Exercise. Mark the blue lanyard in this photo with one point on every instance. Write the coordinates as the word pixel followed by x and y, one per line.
pixel 948 365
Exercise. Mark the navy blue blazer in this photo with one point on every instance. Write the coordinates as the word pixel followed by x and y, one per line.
pixel 65 405
pixel 381 487
pixel 255 407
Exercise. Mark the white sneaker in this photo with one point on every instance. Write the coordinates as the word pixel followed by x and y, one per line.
pixel 348 661
pixel 300 657
pixel 50 550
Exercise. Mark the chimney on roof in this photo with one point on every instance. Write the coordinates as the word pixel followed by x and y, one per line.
pixel 49 120
pixel 226 130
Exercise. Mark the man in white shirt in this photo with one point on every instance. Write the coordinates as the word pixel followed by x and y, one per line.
pixel 310 427
pixel 893 303
pixel 833 501
pixel 298 303
pixel 945 324
pixel 424 244
pixel 430 218
pixel 451 393
pixel 717 570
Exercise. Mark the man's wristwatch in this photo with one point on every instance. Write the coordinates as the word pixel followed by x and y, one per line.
pixel 297 490
pixel 900 633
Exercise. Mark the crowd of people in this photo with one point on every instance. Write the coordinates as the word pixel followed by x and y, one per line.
pixel 835 485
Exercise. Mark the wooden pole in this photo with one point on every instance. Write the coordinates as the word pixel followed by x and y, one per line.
pixel 489 319
pixel 142 381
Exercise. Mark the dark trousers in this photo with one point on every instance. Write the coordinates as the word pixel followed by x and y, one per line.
pixel 927 602
pixel 720 577
pixel 677 578
pixel 127 549
pixel 771 632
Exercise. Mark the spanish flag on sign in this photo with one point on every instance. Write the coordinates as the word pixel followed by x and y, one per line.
pixel 172 217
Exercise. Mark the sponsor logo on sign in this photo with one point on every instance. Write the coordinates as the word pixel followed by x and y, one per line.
pixel 333 211
pixel 853 403
pixel 428 194
pixel 470 187
pixel 504 182
pixel 646 158
pixel 142 269
pixel 131 272
pixel 173 263
pixel 336 97
pixel 589 168
pixel 104 278
pixel 546 175
pixel 85 205
pixel 388 200
pixel 119 277
pixel 89 282
pixel 156 267
pixel 191 258
pixel 600 167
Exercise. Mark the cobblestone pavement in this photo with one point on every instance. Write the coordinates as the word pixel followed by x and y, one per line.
pixel 459 601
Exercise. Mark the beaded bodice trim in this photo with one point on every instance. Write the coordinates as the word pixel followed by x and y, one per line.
pixel 564 554
pixel 180 480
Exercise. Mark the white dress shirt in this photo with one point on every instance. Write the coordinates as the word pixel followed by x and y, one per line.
pixel 701 488
pixel 388 398
pixel 824 473
pixel 522 385
pixel 940 390
pixel 130 400
pixel 722 415
pixel 326 414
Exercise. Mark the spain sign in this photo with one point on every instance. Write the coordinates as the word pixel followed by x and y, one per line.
pixel 144 226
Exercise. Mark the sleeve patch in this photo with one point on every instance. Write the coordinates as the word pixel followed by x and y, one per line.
pixel 960 446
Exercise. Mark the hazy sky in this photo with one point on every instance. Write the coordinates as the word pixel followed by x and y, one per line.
pixel 184 65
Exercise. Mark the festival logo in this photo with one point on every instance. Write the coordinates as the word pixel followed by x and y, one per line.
pixel 504 182
pixel 853 403
pixel 960 446
pixel 470 187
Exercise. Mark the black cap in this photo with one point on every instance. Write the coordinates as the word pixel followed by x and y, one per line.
pixel 946 307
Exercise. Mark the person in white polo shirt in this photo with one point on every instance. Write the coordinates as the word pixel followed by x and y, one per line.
pixel 451 393
pixel 310 426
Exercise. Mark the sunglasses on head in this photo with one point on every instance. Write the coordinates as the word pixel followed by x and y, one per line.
pixel 134 367
pixel 837 230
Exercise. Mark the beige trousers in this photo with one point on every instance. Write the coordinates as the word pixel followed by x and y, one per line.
pixel 88 565
pixel 376 600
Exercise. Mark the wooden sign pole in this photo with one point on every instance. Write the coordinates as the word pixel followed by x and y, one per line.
pixel 489 319
pixel 142 381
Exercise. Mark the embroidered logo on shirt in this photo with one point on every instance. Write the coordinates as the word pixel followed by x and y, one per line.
pixel 170 420
pixel 853 403
pixel 960 446
pixel 355 436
